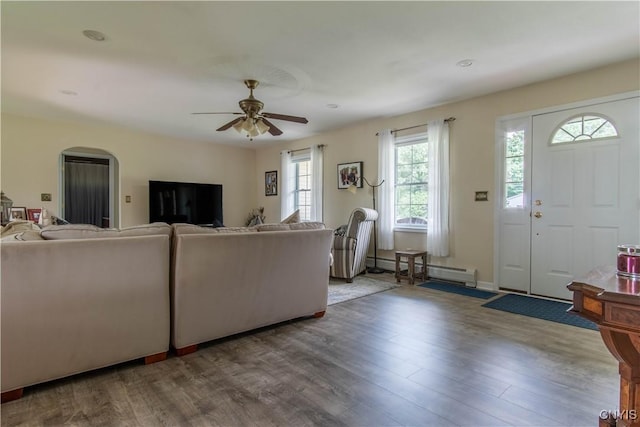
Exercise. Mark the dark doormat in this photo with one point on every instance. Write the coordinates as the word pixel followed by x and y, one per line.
pixel 554 311
pixel 457 289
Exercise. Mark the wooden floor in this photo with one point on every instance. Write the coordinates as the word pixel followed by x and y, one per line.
pixel 408 356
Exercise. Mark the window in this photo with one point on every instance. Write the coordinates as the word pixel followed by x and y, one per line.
pixel 302 183
pixel 411 180
pixel 584 128
pixel 302 188
pixel 514 169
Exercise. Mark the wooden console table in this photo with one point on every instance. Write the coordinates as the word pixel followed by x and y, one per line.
pixel 613 303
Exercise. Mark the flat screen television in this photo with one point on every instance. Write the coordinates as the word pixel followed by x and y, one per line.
pixel 188 202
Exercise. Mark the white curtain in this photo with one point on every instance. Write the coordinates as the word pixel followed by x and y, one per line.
pixel 385 207
pixel 286 184
pixel 438 199
pixel 316 183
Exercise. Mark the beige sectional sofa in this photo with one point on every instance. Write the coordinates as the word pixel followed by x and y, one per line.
pixel 225 283
pixel 73 304
pixel 74 299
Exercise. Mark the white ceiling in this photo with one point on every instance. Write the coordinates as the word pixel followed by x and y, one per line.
pixel 162 61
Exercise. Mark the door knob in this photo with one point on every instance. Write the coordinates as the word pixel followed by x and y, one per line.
pixel 538 214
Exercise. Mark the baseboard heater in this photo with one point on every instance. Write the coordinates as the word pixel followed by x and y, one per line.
pixel 441 272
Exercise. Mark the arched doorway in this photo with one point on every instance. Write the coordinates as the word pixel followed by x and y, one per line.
pixel 89 187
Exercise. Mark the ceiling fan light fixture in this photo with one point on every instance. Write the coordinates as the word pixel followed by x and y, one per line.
pixel 247 125
pixel 238 126
pixel 261 126
pixel 254 121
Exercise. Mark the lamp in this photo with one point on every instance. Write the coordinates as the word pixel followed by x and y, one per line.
pixel 6 204
pixel 375 269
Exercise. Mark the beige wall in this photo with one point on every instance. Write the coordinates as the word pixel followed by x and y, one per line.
pixel 31 151
pixel 472 158
pixel 31 148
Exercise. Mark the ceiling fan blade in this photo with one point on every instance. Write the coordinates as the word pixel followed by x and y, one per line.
pixel 273 130
pixel 285 117
pixel 231 123
pixel 217 113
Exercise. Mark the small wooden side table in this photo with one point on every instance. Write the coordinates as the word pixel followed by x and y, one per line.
pixel 411 261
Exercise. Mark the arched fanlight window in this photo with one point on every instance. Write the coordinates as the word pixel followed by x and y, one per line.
pixel 583 128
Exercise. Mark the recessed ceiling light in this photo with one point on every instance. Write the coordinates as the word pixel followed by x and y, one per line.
pixel 94 35
pixel 332 106
pixel 465 63
pixel 68 92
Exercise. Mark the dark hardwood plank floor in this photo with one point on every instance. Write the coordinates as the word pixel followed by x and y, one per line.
pixel 408 356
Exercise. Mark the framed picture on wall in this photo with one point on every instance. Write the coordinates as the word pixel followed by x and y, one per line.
pixel 349 174
pixel 271 183
pixel 34 215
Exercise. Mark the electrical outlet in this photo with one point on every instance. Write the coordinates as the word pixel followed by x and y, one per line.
pixel 127 199
pixel 45 197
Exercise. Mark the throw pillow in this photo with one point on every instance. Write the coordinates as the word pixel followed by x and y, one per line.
pixel 293 218
pixel 341 231
pixel 58 221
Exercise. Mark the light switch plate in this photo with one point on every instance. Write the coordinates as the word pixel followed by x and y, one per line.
pixel 127 199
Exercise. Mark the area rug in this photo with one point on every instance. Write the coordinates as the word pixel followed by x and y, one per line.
pixel 457 289
pixel 340 291
pixel 554 311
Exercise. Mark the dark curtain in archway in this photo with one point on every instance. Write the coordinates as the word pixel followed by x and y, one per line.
pixel 86 190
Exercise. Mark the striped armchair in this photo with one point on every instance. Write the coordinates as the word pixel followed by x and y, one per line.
pixel 350 251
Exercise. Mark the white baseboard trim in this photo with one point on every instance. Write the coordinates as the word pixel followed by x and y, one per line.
pixel 487 286
pixel 455 274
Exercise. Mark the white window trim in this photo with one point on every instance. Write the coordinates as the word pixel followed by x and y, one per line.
pixel 399 141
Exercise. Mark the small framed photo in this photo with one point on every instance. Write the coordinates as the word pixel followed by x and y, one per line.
pixel 271 183
pixel 34 215
pixel 18 213
pixel 349 174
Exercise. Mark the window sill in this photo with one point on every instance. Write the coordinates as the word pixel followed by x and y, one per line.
pixel 410 229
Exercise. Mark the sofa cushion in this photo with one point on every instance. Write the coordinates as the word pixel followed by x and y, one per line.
pixel 152 229
pixel 23 236
pixel 29 235
pixel 17 226
pixel 273 227
pixel 75 231
pixel 88 231
pixel 311 225
pixel 182 228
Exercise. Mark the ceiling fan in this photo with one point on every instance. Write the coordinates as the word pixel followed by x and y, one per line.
pixel 255 121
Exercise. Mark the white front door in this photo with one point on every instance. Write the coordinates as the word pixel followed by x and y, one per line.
pixel 585 197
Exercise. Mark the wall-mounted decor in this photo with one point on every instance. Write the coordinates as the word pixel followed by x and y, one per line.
pixel 349 174
pixel 271 183
pixel 18 213
pixel 34 215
